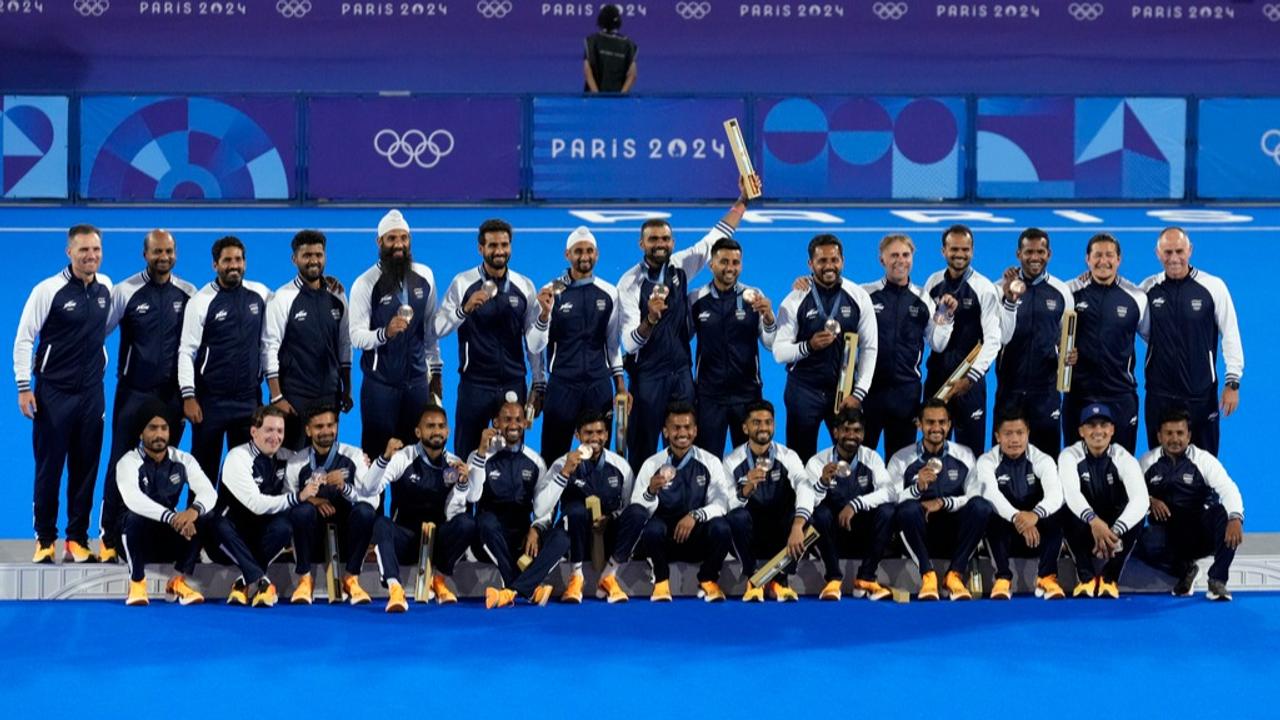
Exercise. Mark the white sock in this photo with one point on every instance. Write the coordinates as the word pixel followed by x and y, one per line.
pixel 611 569
pixel 393 582
pixel 577 568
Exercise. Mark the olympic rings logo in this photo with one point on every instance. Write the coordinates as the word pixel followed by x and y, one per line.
pixel 693 10
pixel 293 8
pixel 1085 12
pixel 92 8
pixel 493 9
pixel 1272 12
pixel 1270 144
pixel 889 10
pixel 404 150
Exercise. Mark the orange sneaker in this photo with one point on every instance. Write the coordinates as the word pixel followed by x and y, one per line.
pixel 302 594
pixel 266 594
pixel 1108 590
pixel 709 591
pixel 498 598
pixel 137 593
pixel 439 588
pixel 753 593
pixel 871 590
pixel 1001 589
pixel 928 586
pixel 396 602
pixel 178 590
pixel 355 594
pixel 661 592
pixel 1047 587
pixel 782 593
pixel 1085 589
pixel 45 554
pixel 831 591
pixel 956 588
pixel 573 591
pixel 77 553
pixel 610 590
pixel 541 595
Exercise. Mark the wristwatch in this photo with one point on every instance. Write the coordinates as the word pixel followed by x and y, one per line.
pixel 1233 384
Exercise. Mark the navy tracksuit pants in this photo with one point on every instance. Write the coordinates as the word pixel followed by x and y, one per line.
pixel 760 532
pixel 653 538
pixel 892 411
pixel 651 393
pixel 956 533
pixel 717 416
pixel 807 409
pixel 146 541
pixel 388 411
pixel 124 437
pixel 355 533
pixel 1042 410
pixel 1124 412
pixel 1188 535
pixel 223 419
pixel 1005 542
pixel 968 413
pixel 867 538
pixel 477 404
pixel 1204 413
pixel 564 402
pixel 396 543
pixel 1080 543
pixel 67 431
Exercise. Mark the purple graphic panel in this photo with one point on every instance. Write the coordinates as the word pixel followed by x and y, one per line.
pixel 428 149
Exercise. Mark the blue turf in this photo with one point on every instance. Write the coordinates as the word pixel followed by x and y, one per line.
pixel 1152 655
pixel 1238 245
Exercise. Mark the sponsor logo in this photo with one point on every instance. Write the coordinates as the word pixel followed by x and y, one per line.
pixel 879 307
pixel 515 301
pixel 811 314
pixel 1002 479
pixel 414 147
pixel 494 9
pixel 69 305
pixel 693 10
pixel 143 308
pixel 1082 305
pixel 1085 12
pixel 300 316
pixel 704 316
pixel 1031 479
pixel 1157 479
pixel 293 9
pixel 1270 143
pixel 386 300
pixel 1158 302
pixel 890 10
pixel 220 315
pixel 565 308
pixel 92 8
pixel 1271 12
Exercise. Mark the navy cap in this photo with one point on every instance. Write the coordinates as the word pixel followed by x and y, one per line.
pixel 1094 412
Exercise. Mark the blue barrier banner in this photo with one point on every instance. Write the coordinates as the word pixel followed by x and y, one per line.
pixel 188 148
pixel 1044 148
pixel 424 149
pixel 862 148
pixel 633 148
pixel 33 144
pixel 1239 148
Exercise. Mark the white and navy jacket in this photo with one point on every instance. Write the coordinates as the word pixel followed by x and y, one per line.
pixel 306 463
pixel 70 319
pixel 149 315
pixel 221 351
pixel 804 313
pixel 306 341
pixel 700 487
pixel 1109 486
pixel 903 313
pixel 1186 318
pixel 506 480
pixel 666 350
pixel 254 483
pixel 867 487
pixel 583 337
pixel 976 320
pixel 786 485
pixel 420 489
pixel 492 340
pixel 1024 484
pixel 376 298
pixel 956 484
pixel 1029 332
pixel 607 477
pixel 154 489
pixel 1194 481
pixel 1108 319
pixel 729 336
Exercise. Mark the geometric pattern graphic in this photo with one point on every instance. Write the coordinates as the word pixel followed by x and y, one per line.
pixel 1238 148
pixel 33 147
pixel 1079 148
pixel 862 148
pixel 188 148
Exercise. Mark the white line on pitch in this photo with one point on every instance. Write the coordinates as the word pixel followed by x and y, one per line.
pixel 699 229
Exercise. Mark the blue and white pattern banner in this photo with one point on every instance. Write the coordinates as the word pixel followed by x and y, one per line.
pixel 33 142
pixel 1239 149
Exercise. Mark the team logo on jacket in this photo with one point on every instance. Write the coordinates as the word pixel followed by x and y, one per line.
pixel 1197 304
pixel 177 306
pixel 1051 304
pixel 953 475
pixel 414 478
pixel 1188 478
pixel 864 481
pixel 417 293
pixel 846 311
pixel 220 316
pixel 102 302
pixel 614 481
pixel 913 311
pixel 1031 479
pixel 69 305
pixel 1122 311
pixel 1111 479
pixel 600 304
pixel 300 316
pixel 526 475
pixel 701 480
pixel 255 308
pixel 175 479
pixel 143 308
pixel 966 303
pixel 740 314
pixel 336 313
pixel 515 301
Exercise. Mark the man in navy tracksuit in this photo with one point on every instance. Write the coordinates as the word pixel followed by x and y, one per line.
pixel 676 511
pixel 1106 499
pixel 1196 509
pixel 813 354
pixel 306 344
pixel 153 479
pixel 566 486
pixel 903 310
pixel 428 485
pixel 67 316
pixel 1110 313
pixel 656 327
pixel 731 321
pixel 493 308
pixel 220 356
pixel 256 498
pixel 771 503
pixel 856 503
pixel 503 477
pixel 580 330
pixel 1189 310
pixel 1022 485
pixel 148 309
pixel 969 303
pixel 339 470
pixel 940 503
pixel 393 305
pixel 1030 327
